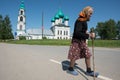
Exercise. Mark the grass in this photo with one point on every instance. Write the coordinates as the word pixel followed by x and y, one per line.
pixel 97 43
pixel 41 42
pixel 106 43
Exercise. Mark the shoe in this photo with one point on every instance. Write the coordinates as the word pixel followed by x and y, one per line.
pixel 92 73
pixel 75 73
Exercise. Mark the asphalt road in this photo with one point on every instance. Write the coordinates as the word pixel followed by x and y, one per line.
pixel 36 62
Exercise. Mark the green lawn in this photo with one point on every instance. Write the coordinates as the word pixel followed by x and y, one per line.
pixel 105 43
pixel 97 43
pixel 41 42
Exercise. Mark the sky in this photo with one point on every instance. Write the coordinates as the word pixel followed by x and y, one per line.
pixel 103 11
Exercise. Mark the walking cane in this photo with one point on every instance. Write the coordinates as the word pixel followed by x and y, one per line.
pixel 93 58
pixel 92 31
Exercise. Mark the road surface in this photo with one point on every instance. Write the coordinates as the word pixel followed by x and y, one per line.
pixel 37 62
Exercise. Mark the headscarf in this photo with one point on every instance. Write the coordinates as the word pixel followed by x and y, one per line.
pixel 83 14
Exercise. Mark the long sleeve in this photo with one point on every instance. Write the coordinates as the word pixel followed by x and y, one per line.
pixel 80 29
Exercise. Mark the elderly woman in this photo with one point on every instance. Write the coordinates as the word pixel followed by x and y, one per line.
pixel 79 48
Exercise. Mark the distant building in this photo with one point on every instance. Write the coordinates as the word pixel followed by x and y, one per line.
pixel 21 23
pixel 59 27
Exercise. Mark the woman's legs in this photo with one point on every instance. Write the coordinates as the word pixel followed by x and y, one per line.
pixel 89 72
pixel 71 68
pixel 72 63
pixel 88 64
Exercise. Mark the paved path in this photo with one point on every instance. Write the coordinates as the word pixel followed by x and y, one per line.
pixel 35 62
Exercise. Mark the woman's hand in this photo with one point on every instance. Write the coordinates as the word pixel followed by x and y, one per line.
pixel 92 35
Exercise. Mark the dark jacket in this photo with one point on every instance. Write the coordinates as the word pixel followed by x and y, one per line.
pixel 80 29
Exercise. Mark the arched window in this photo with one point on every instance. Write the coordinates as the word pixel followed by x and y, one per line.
pixel 21 18
pixel 60 21
pixel 20 27
pixel 21 12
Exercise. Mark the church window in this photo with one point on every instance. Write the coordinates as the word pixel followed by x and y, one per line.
pixel 21 12
pixel 20 27
pixel 66 32
pixel 60 37
pixel 21 18
pixel 66 38
pixel 60 32
pixel 60 20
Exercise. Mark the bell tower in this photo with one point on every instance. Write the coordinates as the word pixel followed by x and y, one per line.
pixel 21 23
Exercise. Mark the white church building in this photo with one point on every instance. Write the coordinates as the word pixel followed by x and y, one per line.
pixel 59 29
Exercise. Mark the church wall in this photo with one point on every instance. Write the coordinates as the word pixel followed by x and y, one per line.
pixel 62 33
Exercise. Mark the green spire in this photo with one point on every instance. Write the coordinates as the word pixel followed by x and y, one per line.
pixel 56 16
pixel 66 18
pixel 61 15
pixel 22 6
pixel 53 20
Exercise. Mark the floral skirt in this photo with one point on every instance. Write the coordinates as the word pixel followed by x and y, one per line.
pixel 78 49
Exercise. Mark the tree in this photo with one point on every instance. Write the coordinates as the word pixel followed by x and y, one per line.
pixel 118 29
pixel 111 29
pixel 1 22
pixel 107 30
pixel 100 30
pixel 6 31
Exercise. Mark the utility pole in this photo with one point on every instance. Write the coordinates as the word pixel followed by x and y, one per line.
pixel 42 25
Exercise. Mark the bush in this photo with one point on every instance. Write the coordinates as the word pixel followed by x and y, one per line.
pixel 22 38
pixel 44 38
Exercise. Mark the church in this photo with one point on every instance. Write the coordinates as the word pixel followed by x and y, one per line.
pixel 59 27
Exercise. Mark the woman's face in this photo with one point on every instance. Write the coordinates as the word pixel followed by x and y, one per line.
pixel 89 14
